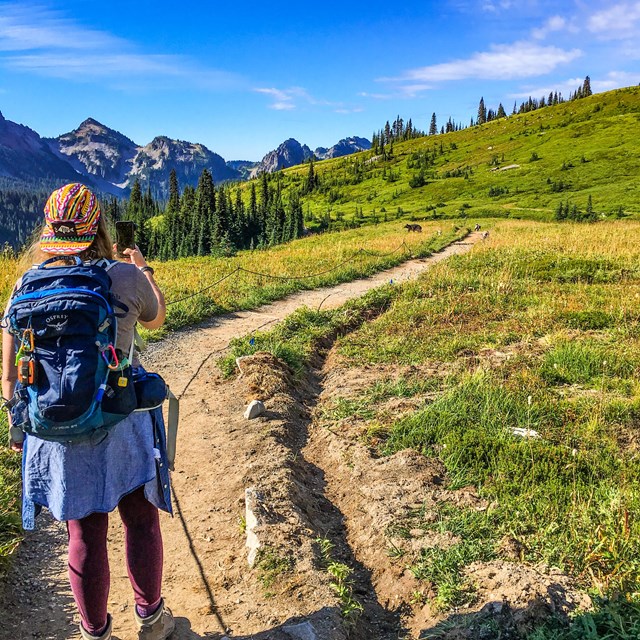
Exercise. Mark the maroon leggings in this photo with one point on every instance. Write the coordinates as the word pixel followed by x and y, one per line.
pixel 89 564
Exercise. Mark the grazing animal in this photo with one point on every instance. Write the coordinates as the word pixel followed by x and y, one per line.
pixel 477 227
pixel 439 232
pixel 413 227
pixel 485 235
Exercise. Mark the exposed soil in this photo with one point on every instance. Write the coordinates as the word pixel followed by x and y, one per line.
pixel 308 484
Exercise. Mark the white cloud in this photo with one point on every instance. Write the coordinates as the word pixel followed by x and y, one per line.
pixel 618 22
pixel 402 92
pixel 39 40
pixel 492 6
pixel 283 100
pixel 501 62
pixel 553 24
pixel 290 99
pixel 615 80
pixel 27 27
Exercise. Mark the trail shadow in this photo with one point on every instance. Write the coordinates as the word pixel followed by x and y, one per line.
pixel 321 625
pixel 201 570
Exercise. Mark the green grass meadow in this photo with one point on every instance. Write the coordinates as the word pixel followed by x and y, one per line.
pixel 537 329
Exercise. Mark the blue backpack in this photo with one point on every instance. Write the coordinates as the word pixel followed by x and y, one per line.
pixel 72 385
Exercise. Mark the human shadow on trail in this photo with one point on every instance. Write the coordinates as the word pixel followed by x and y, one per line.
pixel 321 624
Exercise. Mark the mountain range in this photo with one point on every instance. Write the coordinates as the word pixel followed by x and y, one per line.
pixel 109 161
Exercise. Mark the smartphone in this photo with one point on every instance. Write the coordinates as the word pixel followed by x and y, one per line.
pixel 125 236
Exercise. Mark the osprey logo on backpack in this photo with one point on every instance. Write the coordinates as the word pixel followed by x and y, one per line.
pixel 64 321
pixel 58 321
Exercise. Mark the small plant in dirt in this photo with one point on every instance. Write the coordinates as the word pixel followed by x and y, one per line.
pixel 340 579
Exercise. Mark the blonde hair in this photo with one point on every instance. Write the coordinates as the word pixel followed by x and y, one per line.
pixel 101 247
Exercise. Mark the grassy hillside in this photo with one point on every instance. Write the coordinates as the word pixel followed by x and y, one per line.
pixel 588 147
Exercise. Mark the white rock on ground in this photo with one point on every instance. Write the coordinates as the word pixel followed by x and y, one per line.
pixel 252 501
pixel 254 409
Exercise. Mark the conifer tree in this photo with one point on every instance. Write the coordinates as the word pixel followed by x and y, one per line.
pixel 173 205
pixel 433 127
pixel 501 112
pixel 482 112
pixel 387 133
pixel 586 87
pixel 208 229
pixel 311 181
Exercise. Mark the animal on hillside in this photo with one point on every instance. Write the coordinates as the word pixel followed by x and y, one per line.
pixel 439 232
pixel 413 227
pixel 477 227
pixel 485 235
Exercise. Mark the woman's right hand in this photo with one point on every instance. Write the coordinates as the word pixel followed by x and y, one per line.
pixel 16 438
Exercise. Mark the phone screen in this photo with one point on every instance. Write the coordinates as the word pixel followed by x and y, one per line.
pixel 125 236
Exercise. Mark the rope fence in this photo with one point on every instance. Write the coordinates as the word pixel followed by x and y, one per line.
pixel 259 274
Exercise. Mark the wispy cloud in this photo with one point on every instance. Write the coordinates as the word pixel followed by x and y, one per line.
pixel 553 24
pixel 39 40
pixel 282 99
pixel 615 80
pixel 501 62
pixel 401 92
pixel 618 22
pixel 493 6
pixel 294 97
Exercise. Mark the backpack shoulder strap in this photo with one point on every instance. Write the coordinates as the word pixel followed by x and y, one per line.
pixel 105 263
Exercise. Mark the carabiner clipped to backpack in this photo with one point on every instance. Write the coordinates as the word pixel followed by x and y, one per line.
pixel 114 365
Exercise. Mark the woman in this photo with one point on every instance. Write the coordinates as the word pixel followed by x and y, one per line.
pixel 80 483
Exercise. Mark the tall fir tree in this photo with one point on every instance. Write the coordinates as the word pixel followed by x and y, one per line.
pixel 433 126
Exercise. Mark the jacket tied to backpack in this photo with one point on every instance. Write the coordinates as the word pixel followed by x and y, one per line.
pixel 72 385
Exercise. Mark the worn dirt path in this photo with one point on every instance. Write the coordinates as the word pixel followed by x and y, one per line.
pixel 207 580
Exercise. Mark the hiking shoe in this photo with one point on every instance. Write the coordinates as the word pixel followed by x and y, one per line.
pixel 106 634
pixel 158 626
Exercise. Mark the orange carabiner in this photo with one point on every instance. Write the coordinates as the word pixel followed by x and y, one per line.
pixel 28 336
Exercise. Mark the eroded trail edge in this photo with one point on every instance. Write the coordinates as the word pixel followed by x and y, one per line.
pixel 290 593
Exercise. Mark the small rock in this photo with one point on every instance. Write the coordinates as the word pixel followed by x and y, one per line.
pixel 252 500
pixel 254 409
pixel 302 631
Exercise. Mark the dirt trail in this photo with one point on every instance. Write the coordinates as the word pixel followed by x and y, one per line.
pixel 207 581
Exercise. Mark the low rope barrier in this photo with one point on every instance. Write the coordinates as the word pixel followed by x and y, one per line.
pixel 290 278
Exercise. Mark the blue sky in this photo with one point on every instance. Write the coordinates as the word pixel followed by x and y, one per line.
pixel 242 77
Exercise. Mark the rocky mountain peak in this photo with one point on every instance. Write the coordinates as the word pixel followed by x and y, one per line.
pixel 288 154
